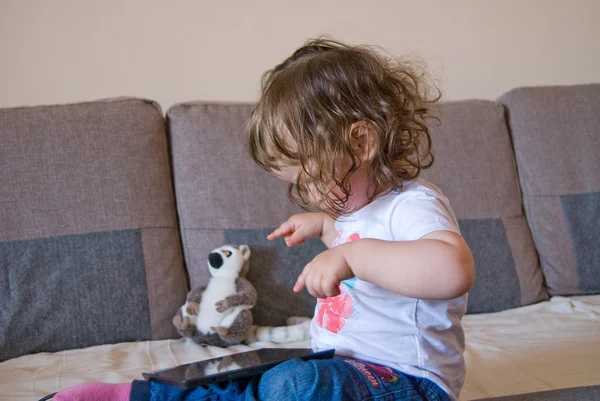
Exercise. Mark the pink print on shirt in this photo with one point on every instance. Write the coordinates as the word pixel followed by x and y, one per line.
pixel 333 311
pixel 353 237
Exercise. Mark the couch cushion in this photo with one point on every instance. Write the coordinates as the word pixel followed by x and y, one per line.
pixel 222 197
pixel 89 249
pixel 474 166
pixel 210 164
pixel 556 133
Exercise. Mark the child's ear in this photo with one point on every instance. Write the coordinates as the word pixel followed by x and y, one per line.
pixel 363 139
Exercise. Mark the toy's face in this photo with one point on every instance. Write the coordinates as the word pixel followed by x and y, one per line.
pixel 228 261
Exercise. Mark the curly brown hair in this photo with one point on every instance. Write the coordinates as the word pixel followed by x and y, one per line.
pixel 308 105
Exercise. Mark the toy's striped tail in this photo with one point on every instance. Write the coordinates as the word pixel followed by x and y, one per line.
pixel 298 329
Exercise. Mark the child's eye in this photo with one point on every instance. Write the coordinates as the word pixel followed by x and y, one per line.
pixel 227 253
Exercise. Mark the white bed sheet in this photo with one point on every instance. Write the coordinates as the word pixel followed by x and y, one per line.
pixel 550 345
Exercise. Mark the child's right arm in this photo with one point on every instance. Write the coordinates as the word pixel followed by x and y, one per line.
pixel 300 227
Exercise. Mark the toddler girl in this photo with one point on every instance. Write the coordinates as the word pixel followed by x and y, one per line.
pixel 346 127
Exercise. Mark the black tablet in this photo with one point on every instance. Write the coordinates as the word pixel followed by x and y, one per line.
pixel 230 367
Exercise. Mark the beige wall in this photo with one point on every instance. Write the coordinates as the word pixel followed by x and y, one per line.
pixel 55 51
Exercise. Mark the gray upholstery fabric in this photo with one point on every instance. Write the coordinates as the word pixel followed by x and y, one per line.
pixel 474 167
pixel 589 393
pixel 217 184
pixel 556 134
pixel 498 285
pixel 582 212
pixel 222 197
pixel 84 167
pixel 89 169
pixel 73 292
pixel 219 190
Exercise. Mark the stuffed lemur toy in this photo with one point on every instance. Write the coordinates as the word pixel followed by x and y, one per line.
pixel 219 314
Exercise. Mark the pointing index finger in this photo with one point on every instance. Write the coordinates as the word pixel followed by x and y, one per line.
pixel 282 230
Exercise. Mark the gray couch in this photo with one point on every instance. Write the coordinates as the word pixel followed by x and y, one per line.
pixel 108 210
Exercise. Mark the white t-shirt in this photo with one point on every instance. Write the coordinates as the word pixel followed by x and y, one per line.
pixel 418 337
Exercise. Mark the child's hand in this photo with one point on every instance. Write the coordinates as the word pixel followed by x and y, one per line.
pixel 298 228
pixel 322 276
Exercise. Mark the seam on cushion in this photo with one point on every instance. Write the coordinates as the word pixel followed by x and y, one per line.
pixel 179 223
pixel 220 229
pixel 513 153
pixel 146 273
pixel 514 259
pixel 75 234
pixel 525 195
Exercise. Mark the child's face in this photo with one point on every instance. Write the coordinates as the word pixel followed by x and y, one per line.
pixel 359 182
pixel 362 139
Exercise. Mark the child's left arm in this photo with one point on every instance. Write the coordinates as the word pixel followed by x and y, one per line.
pixel 437 266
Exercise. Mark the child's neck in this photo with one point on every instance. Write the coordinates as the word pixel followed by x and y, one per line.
pixel 363 190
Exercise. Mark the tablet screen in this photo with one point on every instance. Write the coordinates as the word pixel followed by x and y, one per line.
pixel 231 367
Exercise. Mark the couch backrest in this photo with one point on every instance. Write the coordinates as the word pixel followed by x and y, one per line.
pixel 89 246
pixel 223 197
pixel 475 168
pixel 556 133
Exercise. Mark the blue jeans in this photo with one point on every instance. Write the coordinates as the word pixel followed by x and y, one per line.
pixel 338 379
